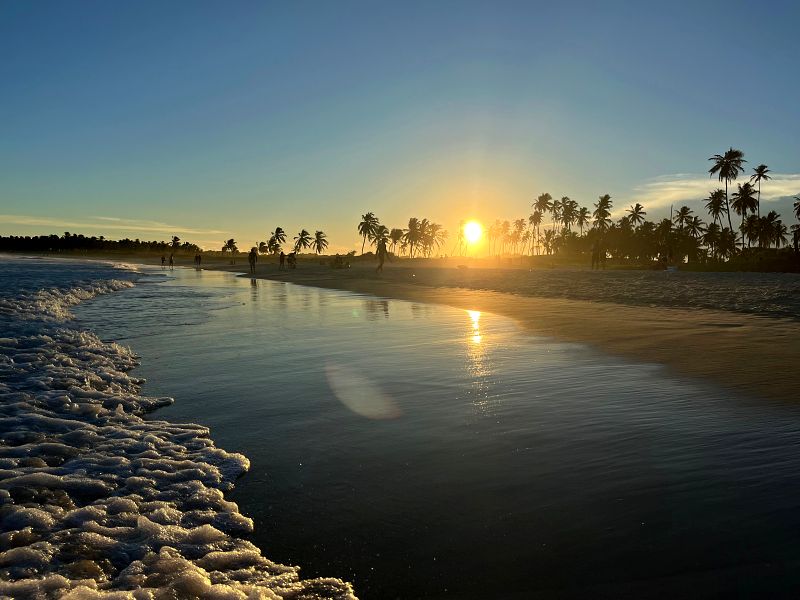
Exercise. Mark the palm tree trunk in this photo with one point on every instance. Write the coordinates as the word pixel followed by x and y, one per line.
pixel 728 206
pixel 362 244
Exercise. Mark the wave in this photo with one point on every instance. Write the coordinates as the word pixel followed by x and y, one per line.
pixel 96 501
pixel 52 305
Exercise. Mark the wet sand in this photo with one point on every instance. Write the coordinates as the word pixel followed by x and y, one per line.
pixel 751 355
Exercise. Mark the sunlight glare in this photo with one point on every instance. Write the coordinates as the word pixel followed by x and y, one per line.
pixel 475 316
pixel 473 232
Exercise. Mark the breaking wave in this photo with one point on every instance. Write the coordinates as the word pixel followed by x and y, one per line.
pixel 97 502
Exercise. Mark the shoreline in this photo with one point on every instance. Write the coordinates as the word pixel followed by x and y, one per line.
pixel 749 354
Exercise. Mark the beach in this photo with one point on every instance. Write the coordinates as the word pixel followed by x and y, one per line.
pixel 753 354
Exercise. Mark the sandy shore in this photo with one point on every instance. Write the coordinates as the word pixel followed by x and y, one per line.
pixel 752 355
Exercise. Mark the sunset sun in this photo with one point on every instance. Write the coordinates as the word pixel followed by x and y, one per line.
pixel 473 232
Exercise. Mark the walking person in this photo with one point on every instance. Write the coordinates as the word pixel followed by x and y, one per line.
pixel 171 262
pixel 382 253
pixel 281 266
pixel 163 261
pixel 252 258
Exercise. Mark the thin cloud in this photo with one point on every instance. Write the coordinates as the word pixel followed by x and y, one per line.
pixel 687 187
pixel 108 223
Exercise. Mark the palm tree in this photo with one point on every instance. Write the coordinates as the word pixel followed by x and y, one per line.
pixel 569 209
pixel 602 211
pixel 381 233
pixel 411 236
pixel 320 242
pixel 555 209
pixel 682 217
pixel 395 235
pixel 759 174
pixel 505 228
pixel 582 218
pixel 302 240
pixel 280 235
pixel 636 214
pixel 744 201
pixel 263 248
pixel 230 246
pixel 715 205
pixel 535 220
pixel 695 227
pixel 727 167
pixel 366 228
pixel 544 203
pixel 175 242
pixel 796 207
pixel 711 237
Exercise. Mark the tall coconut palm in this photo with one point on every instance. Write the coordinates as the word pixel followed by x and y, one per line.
pixel 759 174
pixel 636 214
pixel 505 230
pixel 544 203
pixel 302 240
pixel 711 238
pixel 280 235
pixel 381 233
pixel 555 210
pixel 395 235
pixel 796 207
pixel 535 219
pixel 320 242
pixel 744 201
pixel 176 241
pixel 569 209
pixel 582 218
pixel 602 211
pixel 682 217
pixel 715 205
pixel 695 227
pixel 727 167
pixel 411 236
pixel 366 228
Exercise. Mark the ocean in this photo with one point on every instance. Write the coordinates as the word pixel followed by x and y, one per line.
pixel 417 451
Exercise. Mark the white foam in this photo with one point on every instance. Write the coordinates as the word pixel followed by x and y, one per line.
pixel 96 501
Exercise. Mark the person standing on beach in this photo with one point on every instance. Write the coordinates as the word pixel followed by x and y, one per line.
pixel 171 262
pixel 252 258
pixel 381 252
pixel 283 261
pixel 163 261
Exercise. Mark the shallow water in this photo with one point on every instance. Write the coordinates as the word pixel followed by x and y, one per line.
pixel 423 451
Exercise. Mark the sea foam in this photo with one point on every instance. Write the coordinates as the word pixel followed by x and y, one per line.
pixel 96 501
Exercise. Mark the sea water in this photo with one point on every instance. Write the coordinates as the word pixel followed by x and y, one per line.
pixel 423 451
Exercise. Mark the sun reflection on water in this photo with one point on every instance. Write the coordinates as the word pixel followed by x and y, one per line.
pixel 475 316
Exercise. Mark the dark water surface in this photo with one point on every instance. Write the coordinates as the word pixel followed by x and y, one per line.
pixel 424 452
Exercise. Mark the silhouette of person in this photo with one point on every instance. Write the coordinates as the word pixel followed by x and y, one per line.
pixel 163 260
pixel 171 262
pixel 281 267
pixel 381 252
pixel 252 258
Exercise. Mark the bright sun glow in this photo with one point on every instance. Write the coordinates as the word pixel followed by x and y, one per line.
pixel 473 232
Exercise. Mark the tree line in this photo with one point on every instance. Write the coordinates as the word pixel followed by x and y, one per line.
pixel 421 237
pixel 551 226
pixel 70 242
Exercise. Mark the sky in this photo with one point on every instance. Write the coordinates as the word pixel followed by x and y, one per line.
pixel 211 120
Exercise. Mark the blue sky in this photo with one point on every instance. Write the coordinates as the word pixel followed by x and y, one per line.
pixel 219 119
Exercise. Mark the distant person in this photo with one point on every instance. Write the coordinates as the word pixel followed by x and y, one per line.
pixel 282 264
pixel 382 253
pixel 252 258
pixel 163 261
pixel 171 262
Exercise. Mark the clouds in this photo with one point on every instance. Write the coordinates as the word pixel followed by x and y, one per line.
pixel 687 187
pixel 104 224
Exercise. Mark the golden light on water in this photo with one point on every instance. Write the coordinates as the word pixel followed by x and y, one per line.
pixel 473 232
pixel 475 316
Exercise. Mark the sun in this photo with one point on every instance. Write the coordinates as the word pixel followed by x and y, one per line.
pixel 473 232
